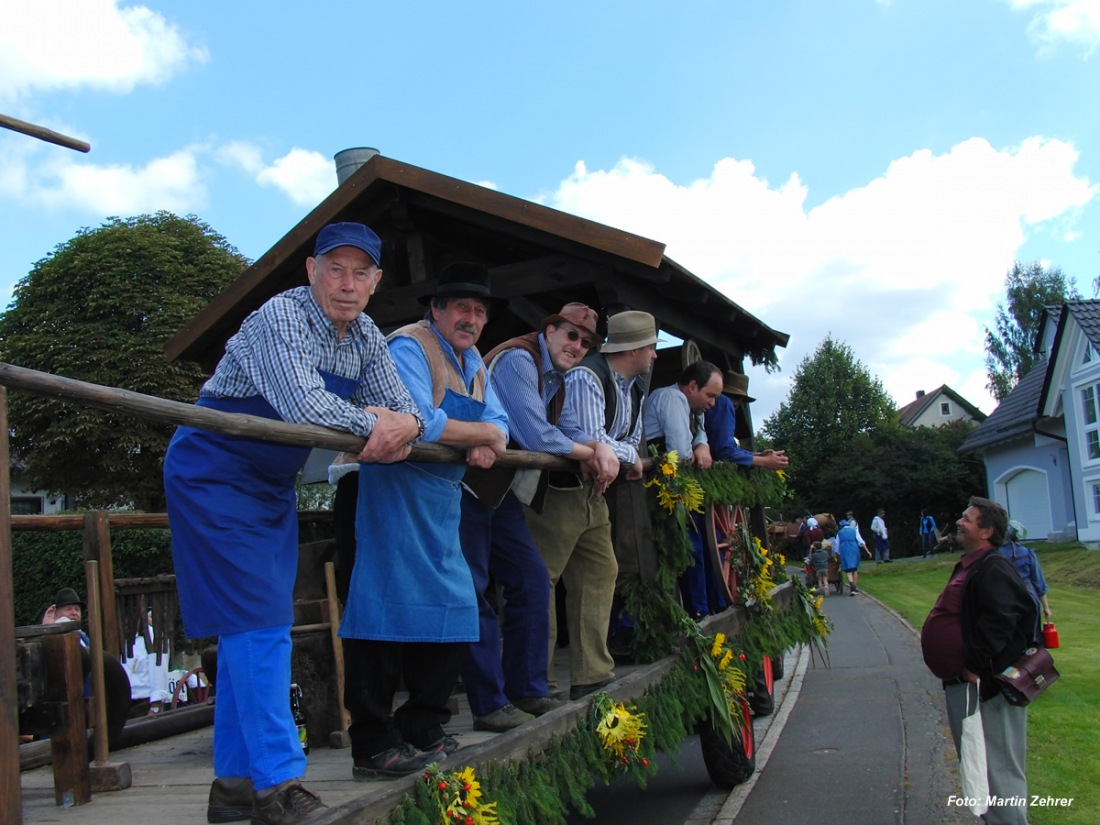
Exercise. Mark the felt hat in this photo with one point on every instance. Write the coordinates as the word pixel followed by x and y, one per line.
pixel 349 234
pixel 66 596
pixel 629 330
pixel 465 279
pixel 580 316
pixel 734 383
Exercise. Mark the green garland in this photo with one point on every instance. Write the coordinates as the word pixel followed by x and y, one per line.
pixel 544 787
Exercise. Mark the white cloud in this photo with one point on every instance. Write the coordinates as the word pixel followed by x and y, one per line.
pixel 100 44
pixel 906 269
pixel 1074 21
pixel 306 177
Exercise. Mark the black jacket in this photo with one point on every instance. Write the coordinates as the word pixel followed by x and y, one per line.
pixel 998 616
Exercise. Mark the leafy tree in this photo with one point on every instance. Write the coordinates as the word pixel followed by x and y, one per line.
pixel 833 399
pixel 100 308
pixel 903 470
pixel 1010 349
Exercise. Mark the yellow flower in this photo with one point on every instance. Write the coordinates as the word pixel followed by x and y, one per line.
pixel 716 648
pixel 620 730
pixel 782 476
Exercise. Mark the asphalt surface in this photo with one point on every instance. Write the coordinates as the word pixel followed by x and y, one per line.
pixel 858 737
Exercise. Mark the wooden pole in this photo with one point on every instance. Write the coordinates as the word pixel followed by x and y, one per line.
pixel 97 547
pixel 99 683
pixel 337 738
pixel 250 426
pixel 11 800
pixel 42 133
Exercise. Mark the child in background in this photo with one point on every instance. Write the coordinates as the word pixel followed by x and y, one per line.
pixel 819 555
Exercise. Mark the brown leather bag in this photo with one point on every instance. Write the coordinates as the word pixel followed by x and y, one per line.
pixel 1027 679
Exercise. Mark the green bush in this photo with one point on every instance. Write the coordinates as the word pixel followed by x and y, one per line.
pixel 43 562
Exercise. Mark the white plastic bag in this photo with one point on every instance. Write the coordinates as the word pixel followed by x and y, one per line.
pixel 972 766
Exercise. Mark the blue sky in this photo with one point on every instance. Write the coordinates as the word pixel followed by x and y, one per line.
pixel 869 169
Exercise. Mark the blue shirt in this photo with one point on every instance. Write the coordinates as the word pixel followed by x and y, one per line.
pixel 668 415
pixel 583 416
pixel 280 348
pixel 412 365
pixel 720 422
pixel 515 378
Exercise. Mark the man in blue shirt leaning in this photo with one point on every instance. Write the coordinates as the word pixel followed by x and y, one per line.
pixel 720 422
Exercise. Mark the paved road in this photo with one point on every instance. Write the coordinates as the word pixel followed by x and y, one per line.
pixel 862 740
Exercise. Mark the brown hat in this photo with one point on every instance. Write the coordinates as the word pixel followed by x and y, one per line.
pixel 579 315
pixel 737 384
pixel 629 330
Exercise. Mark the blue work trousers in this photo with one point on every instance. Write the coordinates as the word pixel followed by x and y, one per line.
pixel 254 730
pixel 700 589
pixel 498 547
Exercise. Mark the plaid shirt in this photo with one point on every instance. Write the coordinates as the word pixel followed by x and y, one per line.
pixel 280 348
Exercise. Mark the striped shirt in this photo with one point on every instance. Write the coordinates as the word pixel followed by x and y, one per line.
pixel 582 418
pixel 280 348
pixel 516 380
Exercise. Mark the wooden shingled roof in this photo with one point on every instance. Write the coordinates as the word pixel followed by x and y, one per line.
pixel 540 258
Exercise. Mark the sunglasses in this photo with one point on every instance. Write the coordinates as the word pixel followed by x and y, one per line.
pixel 575 336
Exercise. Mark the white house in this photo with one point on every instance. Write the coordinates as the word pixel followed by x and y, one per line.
pixel 941 406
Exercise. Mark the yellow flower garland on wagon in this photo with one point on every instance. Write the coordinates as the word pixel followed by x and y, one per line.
pixel 459 796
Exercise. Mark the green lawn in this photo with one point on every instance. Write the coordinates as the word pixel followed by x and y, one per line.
pixel 1063 757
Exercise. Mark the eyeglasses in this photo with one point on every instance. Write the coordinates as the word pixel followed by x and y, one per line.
pixel 575 336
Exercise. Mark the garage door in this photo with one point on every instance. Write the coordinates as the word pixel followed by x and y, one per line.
pixel 1028 501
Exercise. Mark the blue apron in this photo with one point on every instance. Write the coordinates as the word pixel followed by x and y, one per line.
pixel 411 582
pixel 234 520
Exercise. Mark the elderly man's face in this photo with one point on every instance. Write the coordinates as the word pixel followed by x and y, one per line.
pixel 68 612
pixel 701 399
pixel 342 281
pixel 461 322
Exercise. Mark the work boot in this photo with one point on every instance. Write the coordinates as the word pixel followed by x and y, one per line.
pixel 503 719
pixel 230 799
pixel 288 805
pixel 538 705
pixel 400 760
pixel 445 745
pixel 580 691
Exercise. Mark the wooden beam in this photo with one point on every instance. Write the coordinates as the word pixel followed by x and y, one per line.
pixel 42 133
pixel 11 800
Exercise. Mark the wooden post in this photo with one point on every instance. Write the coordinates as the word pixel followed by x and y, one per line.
pixel 106 775
pixel 11 802
pixel 337 738
pixel 97 548
pixel 69 740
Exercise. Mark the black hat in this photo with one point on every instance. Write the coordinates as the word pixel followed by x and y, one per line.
pixel 465 279
pixel 66 595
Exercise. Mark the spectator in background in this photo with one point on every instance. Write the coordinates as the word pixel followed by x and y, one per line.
pixel 882 542
pixel 67 607
pixel 148 672
pixel 1027 565
pixel 928 532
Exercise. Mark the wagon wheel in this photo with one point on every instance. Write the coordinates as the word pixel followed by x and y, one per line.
pixel 189 694
pixel 723 544
pixel 730 766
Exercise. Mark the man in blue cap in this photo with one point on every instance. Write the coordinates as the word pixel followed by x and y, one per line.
pixel 309 355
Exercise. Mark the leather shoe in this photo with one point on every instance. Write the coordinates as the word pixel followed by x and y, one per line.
pixel 580 691
pixel 445 745
pixel 502 719
pixel 230 800
pixel 289 805
pixel 537 705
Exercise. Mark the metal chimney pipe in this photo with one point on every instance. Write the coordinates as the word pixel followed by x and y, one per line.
pixel 348 160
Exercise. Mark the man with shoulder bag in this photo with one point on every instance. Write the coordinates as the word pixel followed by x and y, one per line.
pixel 981 625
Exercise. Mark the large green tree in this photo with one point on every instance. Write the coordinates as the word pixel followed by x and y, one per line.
pixel 1010 347
pixel 100 308
pixel 833 399
pixel 904 470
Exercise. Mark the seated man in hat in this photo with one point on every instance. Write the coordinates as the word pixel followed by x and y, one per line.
pixel 720 422
pixel 412 609
pixel 67 607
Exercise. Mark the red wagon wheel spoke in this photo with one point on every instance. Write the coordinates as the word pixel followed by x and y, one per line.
pixel 723 541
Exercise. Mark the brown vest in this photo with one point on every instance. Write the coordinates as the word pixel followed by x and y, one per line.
pixel 530 344
pixel 445 375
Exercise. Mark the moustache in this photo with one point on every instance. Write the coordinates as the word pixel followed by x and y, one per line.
pixel 462 326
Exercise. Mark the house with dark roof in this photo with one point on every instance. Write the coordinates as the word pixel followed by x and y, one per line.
pixel 1041 446
pixel 941 406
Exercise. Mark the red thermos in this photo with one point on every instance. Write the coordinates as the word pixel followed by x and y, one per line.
pixel 1050 635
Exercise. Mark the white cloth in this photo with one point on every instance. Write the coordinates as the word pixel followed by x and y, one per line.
pixel 148 680
pixel 878 527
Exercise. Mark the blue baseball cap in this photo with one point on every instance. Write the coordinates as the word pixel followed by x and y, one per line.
pixel 349 234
